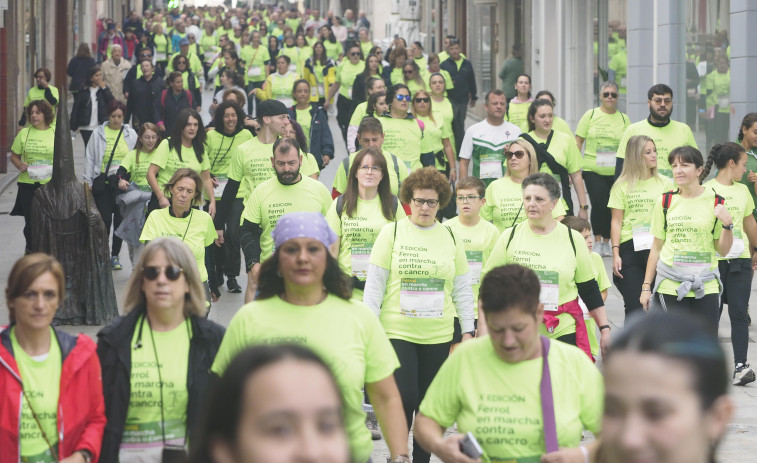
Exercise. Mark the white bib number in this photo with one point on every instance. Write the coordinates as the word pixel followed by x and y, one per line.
pixel 360 257
pixel 490 167
pixel 724 101
pixel 114 165
pixel 160 56
pixel 605 158
pixel 39 171
pixel 254 71
pixel 692 262
pixel 642 237
pixel 475 264
pixel 422 297
pixel 292 67
pixel 550 289
pixel 737 248
pixel 218 190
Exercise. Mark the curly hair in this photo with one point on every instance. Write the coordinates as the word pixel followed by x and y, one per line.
pixel 44 107
pixel 427 178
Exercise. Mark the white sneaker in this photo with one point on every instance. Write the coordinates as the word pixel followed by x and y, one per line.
pixel 743 374
pixel 606 249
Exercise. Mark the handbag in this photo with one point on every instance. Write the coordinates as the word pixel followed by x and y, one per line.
pixel 99 182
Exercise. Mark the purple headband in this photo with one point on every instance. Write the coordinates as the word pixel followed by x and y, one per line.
pixel 303 225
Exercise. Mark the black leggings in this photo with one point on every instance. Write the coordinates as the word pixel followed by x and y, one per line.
pixel 418 366
pixel 111 214
pixel 598 187
pixel 707 309
pixel 633 269
pixel 736 275
pixel 344 108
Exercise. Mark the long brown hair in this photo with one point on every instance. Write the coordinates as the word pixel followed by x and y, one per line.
pixel 138 146
pixel 270 282
pixel 384 190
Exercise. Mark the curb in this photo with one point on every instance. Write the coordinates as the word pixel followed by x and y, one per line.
pixel 8 182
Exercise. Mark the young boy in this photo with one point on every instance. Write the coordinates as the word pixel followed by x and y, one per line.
pixel 478 235
pixel 583 227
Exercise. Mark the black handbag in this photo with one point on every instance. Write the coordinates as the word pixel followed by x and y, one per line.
pixel 99 183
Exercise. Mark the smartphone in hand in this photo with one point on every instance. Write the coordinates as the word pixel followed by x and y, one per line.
pixel 470 446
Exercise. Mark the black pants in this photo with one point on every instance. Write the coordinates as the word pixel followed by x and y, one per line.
pixel 250 98
pixel 344 108
pixel 598 187
pixel 111 214
pixel 231 238
pixel 23 207
pixel 459 111
pixel 633 269
pixel 707 309
pixel 736 275
pixel 418 366
pixel 569 339
pixel 85 135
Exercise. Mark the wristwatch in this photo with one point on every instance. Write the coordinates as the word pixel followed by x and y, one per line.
pixel 585 207
pixel 472 333
pixel 728 227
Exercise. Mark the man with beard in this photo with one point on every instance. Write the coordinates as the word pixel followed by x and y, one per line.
pixel 667 134
pixel 288 192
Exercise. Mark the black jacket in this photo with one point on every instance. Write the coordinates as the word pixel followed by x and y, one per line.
pixel 144 100
pixel 77 69
pixel 464 80
pixel 170 107
pixel 114 349
pixel 82 109
pixel 320 139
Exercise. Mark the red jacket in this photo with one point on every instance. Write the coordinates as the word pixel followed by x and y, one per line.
pixel 81 408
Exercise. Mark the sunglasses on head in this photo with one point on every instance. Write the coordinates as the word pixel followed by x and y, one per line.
pixel 422 100
pixel 173 272
pixel 518 154
pixel 609 94
pixel 402 97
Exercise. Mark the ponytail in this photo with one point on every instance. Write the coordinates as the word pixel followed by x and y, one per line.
pixel 720 155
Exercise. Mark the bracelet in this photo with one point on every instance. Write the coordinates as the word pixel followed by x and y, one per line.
pixel 612 248
pixel 646 290
pixel 605 326
pixel 645 283
pixel 585 453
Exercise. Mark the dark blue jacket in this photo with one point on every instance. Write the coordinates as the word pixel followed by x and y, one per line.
pixel 320 139
pixel 464 80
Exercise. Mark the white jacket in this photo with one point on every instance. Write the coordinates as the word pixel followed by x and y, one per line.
pixel 95 152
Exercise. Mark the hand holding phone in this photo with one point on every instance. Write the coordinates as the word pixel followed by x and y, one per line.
pixel 470 446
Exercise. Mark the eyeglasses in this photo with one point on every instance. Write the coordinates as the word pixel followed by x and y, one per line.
pixel 609 95
pixel 661 100
pixel 370 168
pixel 173 272
pixel 422 100
pixel 355 54
pixel 402 97
pixel 467 199
pixel 432 203
pixel 517 154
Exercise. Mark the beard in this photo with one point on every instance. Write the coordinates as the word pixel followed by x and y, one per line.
pixel 287 178
pixel 656 117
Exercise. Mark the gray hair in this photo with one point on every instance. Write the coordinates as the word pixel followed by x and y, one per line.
pixel 608 83
pixel 546 181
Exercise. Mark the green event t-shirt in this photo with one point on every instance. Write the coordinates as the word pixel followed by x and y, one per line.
pixel 220 151
pixel 561 125
pixel 422 263
pixel 689 240
pixel 485 144
pixel 432 136
pixel 333 50
pixel 270 200
pixel 740 205
pixel 718 87
pixel 504 204
pixel 36 150
pixel 397 174
pixel 305 119
pixel 500 402
pixel 442 111
pixel 478 242
pixel 196 230
pixel 751 166
pixel 359 113
pixel 553 259
pixel 143 428
pixel 168 161
pixel 41 382
pixel 563 148
pixel 517 113
pixel 255 59
pixel 138 170
pixel 602 133
pixel 121 151
pixel 345 75
pixel 637 206
pixel 666 138
pixel 360 354
pixel 403 138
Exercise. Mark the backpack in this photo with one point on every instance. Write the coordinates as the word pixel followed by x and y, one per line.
pixel 667 197
pixel 570 235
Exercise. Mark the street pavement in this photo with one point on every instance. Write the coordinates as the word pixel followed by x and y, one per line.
pixel 739 445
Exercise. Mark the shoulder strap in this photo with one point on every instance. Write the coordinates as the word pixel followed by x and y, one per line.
pixel 452 235
pixel 396 171
pixel 346 165
pixel 340 205
pixel 572 243
pixel 547 401
pixel 512 234
pixel 718 200
pixel 113 151
pixel 666 199
pixel 395 203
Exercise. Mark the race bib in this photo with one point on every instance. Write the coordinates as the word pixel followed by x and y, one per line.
pixel 605 158
pixel 724 101
pixel 737 248
pixel 292 67
pixel 321 89
pixel 692 262
pixel 349 93
pixel 209 55
pixel 39 171
pixel 550 289
pixel 691 92
pixel 222 181
pixel 422 297
pixel 254 71
pixel 490 168
pixel 114 165
pixel 360 257
pixel 475 264
pixel 642 237
pixel 160 56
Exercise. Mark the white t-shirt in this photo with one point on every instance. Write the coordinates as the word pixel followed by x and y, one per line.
pixel 485 143
pixel 93 122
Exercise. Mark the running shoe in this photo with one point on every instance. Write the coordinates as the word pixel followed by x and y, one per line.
pixel 115 264
pixel 372 423
pixel 232 284
pixel 606 249
pixel 743 374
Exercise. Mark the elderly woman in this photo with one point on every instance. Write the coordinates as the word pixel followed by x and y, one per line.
pixel 50 380
pixel 505 378
pixel 305 296
pixel 157 357
pixel 561 260
pixel 417 281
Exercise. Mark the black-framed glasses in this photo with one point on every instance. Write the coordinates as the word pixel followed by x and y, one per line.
pixel 172 272
pixel 422 100
pixel 402 97
pixel 517 154
pixel 467 199
pixel 432 203
pixel 609 95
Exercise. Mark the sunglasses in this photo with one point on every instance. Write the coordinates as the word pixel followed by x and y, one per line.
pixel 173 272
pixel 422 100
pixel 609 94
pixel 355 54
pixel 517 154
pixel 402 97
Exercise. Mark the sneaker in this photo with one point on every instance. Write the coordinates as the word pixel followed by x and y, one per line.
pixel 232 284
pixel 606 249
pixel 743 375
pixel 115 264
pixel 372 425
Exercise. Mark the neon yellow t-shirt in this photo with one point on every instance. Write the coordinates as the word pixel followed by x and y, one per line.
pixel 255 59
pixel 560 125
pixel 360 112
pixel 602 133
pixel 304 119
pixel 442 111
pixel 121 150
pixel 41 380
pixel 402 138
pixel 500 402
pixel 168 161
pixel 359 355
pixel 36 150
pixel 504 204
pixel 345 75
pixel 478 242
pixel 397 174
pixel 552 257
pixel 333 50
pixel 270 200
pixel 422 264
pixel 718 88
pixel 432 136
pixel 665 139
pixel 138 171
pixel 740 205
pixel 517 113
pixel 689 245
pixel 637 204
pixel 143 428
pixel 251 165
pixel 196 230
pixel 564 150
pixel 220 151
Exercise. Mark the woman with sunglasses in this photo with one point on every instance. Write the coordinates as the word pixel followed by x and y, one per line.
pixel 181 219
pixel 189 80
pixel 320 72
pixel 436 149
pixel 417 281
pixel 156 358
pixel 403 133
pixel 504 196
pixel 517 109
pixel 346 73
pixel 602 129
pixel 411 76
